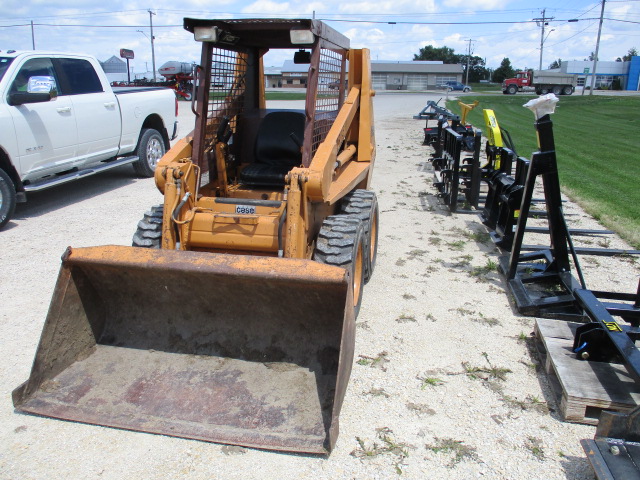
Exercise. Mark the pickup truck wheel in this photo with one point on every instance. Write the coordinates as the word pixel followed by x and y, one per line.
pixel 7 198
pixel 363 205
pixel 150 150
pixel 149 231
pixel 341 243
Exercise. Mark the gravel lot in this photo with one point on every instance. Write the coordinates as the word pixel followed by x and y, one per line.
pixel 427 320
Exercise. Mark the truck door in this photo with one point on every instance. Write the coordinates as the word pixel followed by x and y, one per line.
pixel 46 132
pixel 96 109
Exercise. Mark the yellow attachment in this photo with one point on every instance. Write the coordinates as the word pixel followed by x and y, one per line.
pixel 494 135
pixel 466 108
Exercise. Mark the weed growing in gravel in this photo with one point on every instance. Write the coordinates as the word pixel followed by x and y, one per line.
pixel 531 402
pixel 534 445
pixel 389 446
pixel 406 318
pixel 429 382
pixel 377 392
pixel 488 267
pixel 489 321
pixel 462 261
pixel 435 241
pixel 456 245
pixel 462 311
pixel 420 408
pixel 400 262
pixel 456 448
pixel 416 253
pixel 430 317
pixel 378 361
pixel 604 242
pixel 485 373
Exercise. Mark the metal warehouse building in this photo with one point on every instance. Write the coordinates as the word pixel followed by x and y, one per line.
pixel 387 75
pixel 412 75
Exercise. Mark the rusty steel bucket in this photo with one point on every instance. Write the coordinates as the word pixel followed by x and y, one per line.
pixel 242 350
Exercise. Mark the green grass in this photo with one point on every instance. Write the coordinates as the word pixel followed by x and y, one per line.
pixel 597 146
pixel 286 95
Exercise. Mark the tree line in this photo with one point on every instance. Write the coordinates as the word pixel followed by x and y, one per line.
pixel 477 65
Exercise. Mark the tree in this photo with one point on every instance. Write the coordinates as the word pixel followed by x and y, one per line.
pixel 445 54
pixel 627 58
pixel 477 71
pixel 592 56
pixel 505 70
pixel 556 64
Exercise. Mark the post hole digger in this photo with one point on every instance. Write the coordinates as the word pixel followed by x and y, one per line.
pixel 237 324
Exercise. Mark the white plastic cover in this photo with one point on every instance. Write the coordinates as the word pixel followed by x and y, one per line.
pixel 543 105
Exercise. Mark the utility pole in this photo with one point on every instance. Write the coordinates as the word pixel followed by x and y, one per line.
pixel 595 58
pixel 542 22
pixel 153 52
pixel 466 82
pixel 33 37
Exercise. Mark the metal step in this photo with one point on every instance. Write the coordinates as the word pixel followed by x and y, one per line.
pixel 68 177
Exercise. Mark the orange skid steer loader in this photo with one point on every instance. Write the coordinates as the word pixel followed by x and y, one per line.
pixel 236 323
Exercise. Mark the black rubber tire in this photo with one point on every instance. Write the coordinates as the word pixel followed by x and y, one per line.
pixel 363 204
pixel 149 231
pixel 150 150
pixel 544 91
pixel 341 243
pixel 567 90
pixel 466 90
pixel 7 198
pixel 557 90
pixel 512 89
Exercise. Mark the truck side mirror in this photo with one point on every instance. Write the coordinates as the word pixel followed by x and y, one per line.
pixel 40 89
pixel 301 57
pixel 21 98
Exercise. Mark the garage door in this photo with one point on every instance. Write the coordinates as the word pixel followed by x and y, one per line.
pixel 416 82
pixel 379 81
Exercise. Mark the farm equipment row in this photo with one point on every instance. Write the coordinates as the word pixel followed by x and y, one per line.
pixel 541 280
pixel 181 83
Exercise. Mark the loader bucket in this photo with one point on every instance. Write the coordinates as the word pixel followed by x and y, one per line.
pixel 243 350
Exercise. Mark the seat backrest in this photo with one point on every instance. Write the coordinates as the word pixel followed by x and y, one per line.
pixel 274 145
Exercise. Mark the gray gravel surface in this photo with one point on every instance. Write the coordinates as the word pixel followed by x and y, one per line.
pixel 412 410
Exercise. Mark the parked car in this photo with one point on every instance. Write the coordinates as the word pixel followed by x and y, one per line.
pixel 335 85
pixel 451 85
pixel 60 120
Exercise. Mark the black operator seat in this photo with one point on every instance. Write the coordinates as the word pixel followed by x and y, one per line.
pixel 277 149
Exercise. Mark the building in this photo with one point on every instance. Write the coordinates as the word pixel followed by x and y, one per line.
pixel 386 75
pixel 115 68
pixel 610 75
pixel 413 75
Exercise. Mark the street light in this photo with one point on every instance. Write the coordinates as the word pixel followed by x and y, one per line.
pixel 542 45
pixel 153 57
pixel 152 38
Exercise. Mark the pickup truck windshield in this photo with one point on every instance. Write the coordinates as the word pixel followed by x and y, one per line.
pixel 4 64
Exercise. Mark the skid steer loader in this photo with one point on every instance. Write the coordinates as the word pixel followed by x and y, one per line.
pixel 236 325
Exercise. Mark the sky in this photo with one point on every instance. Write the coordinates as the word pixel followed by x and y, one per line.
pixel 391 29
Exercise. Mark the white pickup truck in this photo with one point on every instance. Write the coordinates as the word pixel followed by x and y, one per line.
pixel 60 120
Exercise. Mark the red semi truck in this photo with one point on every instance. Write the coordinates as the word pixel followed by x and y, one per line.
pixel 541 82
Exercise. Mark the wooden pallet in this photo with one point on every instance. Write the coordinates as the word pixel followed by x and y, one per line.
pixel 583 388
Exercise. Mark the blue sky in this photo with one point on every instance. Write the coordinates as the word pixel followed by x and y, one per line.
pixel 391 29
